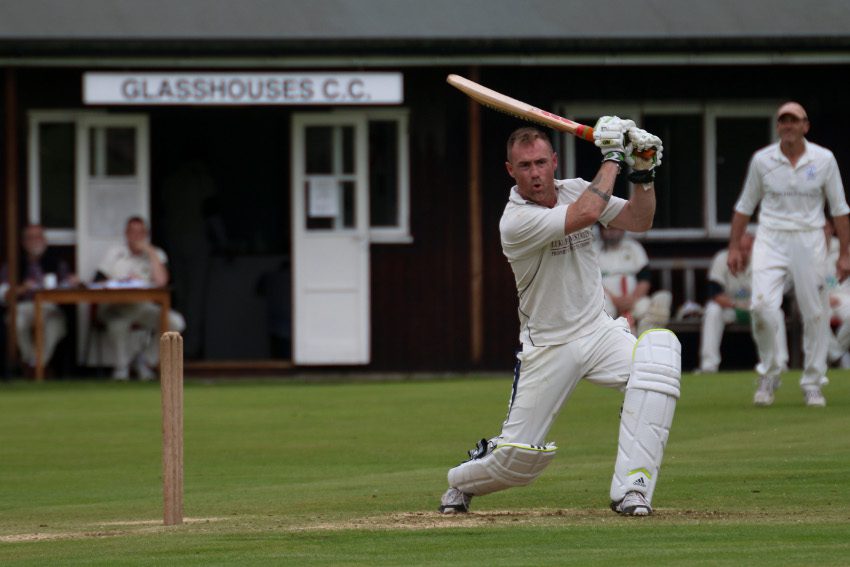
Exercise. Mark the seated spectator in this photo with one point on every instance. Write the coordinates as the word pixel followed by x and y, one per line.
pixel 625 277
pixel 38 269
pixel 135 262
pixel 729 302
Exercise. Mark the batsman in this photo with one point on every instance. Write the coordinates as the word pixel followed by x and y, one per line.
pixel 565 333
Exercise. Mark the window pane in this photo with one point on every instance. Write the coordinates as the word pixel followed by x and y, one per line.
pixel 319 148
pixel 678 182
pixel 383 174
pixel 56 174
pixel 349 216
pixel 315 223
pixel 737 139
pixel 120 151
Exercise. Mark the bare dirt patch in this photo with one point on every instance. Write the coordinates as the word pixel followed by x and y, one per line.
pixel 435 520
pixel 422 520
pixel 102 530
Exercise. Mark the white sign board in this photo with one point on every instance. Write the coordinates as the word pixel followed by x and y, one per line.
pixel 324 197
pixel 242 88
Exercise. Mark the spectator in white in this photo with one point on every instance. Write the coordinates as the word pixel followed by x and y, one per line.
pixel 38 269
pixel 135 262
pixel 625 277
pixel 791 181
pixel 839 303
pixel 729 302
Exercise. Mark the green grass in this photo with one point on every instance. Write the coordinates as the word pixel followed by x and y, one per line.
pixel 350 474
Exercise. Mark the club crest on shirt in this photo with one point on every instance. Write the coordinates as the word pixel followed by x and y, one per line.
pixel 571 242
pixel 811 173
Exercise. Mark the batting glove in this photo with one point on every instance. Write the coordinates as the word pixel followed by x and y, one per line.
pixel 609 137
pixel 645 156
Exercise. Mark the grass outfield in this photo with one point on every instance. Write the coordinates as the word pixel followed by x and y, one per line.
pixel 351 474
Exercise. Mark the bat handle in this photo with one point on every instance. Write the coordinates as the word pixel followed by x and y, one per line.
pixel 646 154
pixel 586 133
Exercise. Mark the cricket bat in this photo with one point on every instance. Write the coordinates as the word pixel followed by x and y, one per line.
pixel 503 103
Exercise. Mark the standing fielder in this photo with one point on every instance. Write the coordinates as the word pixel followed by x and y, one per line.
pixel 565 333
pixel 792 179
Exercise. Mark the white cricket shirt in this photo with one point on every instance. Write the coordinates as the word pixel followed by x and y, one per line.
pixel 558 281
pixel 620 265
pixel 121 264
pixel 738 288
pixel 792 198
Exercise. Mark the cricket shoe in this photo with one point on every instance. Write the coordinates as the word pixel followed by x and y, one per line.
pixel 633 504
pixel 814 397
pixel 455 501
pixel 764 394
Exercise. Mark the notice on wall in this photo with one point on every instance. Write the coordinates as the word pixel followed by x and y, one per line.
pixel 323 197
pixel 242 88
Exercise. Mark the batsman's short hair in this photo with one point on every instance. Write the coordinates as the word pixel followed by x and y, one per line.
pixel 527 135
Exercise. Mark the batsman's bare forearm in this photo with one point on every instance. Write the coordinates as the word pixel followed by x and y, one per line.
pixel 642 207
pixel 639 212
pixel 590 204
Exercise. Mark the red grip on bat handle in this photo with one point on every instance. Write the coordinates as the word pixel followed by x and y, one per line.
pixel 646 154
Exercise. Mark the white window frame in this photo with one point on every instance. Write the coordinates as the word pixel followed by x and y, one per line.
pixel 709 113
pixel 399 234
pixel 713 111
pixel 55 236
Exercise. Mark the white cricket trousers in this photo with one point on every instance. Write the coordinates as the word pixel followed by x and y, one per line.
pixel 714 321
pixel 546 377
pixel 800 255
pixel 119 319
pixel 54 330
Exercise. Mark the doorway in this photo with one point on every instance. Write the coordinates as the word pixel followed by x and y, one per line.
pixel 221 209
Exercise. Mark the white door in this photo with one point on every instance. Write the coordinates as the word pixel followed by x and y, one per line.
pixel 330 244
pixel 112 183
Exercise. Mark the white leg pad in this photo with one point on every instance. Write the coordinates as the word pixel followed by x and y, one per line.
pixel 508 465
pixel 647 415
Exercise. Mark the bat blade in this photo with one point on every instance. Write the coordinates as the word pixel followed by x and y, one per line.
pixel 502 103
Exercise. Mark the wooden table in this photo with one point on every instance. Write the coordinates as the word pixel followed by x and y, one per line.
pixel 160 295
